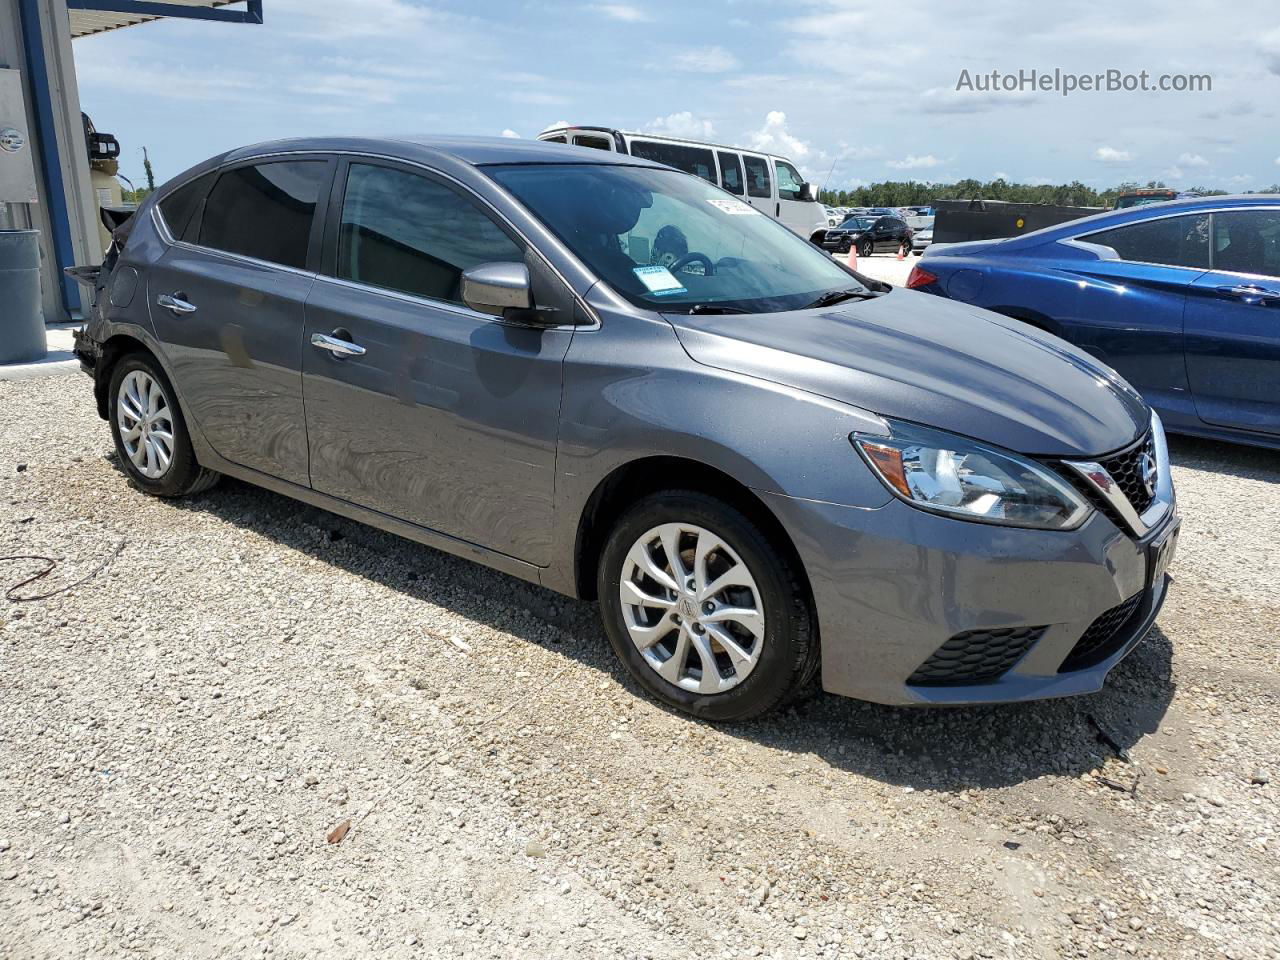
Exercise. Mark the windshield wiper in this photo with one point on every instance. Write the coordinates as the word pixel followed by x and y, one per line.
pixel 714 308
pixel 839 296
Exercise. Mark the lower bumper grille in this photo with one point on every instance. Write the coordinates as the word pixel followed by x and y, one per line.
pixel 975 656
pixel 1103 637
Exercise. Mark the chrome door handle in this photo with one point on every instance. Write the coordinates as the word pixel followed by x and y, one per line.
pixel 339 348
pixel 174 303
pixel 1250 290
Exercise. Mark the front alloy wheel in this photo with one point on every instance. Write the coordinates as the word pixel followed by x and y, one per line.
pixel 692 608
pixel 706 606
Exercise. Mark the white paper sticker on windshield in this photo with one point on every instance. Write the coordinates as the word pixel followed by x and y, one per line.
pixel 733 207
pixel 660 281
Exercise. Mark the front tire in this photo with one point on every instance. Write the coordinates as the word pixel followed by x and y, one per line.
pixel 704 609
pixel 149 432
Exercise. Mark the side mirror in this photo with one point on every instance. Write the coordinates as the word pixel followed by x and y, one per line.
pixel 495 288
pixel 806 192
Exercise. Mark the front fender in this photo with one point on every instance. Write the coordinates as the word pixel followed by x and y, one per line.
pixel 635 394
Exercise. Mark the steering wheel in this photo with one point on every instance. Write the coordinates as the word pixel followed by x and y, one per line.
pixel 708 267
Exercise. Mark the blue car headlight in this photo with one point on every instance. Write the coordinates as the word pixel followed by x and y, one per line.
pixel 962 478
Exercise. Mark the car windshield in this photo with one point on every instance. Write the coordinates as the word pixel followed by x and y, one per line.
pixel 858 223
pixel 669 241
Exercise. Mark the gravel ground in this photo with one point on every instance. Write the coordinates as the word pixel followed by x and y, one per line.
pixel 179 734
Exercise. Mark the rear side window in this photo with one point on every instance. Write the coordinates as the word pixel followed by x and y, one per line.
pixel 757 177
pixel 1172 241
pixel 179 207
pixel 1247 241
pixel 596 143
pixel 731 172
pixel 556 140
pixel 265 211
pixel 789 181
pixel 695 160
pixel 402 231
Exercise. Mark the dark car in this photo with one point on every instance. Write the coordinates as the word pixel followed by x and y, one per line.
pixel 1182 298
pixel 869 235
pixel 767 468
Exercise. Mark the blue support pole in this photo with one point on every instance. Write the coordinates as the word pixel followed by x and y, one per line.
pixel 50 162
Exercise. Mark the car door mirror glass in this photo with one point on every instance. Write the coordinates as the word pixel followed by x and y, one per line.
pixel 495 288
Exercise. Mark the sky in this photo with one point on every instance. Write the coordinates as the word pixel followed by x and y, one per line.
pixel 853 92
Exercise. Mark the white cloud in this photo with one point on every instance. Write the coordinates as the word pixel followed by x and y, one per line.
pixel 1278 161
pixel 1112 155
pixel 1173 173
pixel 1269 47
pixel 705 60
pixel 682 124
pixel 913 162
pixel 1192 160
pixel 999 175
pixel 950 100
pixel 510 134
pixel 773 137
pixel 553 126
pixel 620 11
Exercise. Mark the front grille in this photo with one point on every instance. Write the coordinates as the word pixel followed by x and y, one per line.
pixel 1126 470
pixel 1103 637
pixel 975 656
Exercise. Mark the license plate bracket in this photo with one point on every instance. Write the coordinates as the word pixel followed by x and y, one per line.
pixel 1161 552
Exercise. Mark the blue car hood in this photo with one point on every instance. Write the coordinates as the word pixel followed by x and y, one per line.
pixel 933 361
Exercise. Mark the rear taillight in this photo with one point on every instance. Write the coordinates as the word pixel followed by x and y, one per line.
pixel 920 278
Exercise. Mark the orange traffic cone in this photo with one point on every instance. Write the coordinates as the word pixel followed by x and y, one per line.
pixel 902 247
pixel 853 256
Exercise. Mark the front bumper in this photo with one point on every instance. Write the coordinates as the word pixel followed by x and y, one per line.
pixel 893 584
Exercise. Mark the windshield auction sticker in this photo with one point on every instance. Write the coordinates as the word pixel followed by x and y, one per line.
pixel 660 281
pixel 734 208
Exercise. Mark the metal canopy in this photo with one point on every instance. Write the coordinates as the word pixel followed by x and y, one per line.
pixel 98 16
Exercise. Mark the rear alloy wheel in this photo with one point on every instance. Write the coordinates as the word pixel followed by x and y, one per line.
pixel 149 432
pixel 704 611
pixel 866 248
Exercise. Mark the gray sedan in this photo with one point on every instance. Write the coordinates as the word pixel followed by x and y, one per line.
pixel 619 381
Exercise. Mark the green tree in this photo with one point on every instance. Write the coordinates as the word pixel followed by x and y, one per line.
pixel 146 168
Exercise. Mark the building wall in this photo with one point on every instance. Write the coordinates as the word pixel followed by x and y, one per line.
pixel 80 218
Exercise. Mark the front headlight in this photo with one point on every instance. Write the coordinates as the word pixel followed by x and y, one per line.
pixel 962 478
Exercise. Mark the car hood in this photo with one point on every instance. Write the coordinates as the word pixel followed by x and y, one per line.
pixel 917 357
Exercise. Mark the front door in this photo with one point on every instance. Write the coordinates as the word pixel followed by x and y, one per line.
pixel 1126 308
pixel 444 417
pixel 759 184
pixel 1232 324
pixel 227 305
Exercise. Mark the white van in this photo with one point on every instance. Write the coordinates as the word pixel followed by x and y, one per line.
pixel 769 183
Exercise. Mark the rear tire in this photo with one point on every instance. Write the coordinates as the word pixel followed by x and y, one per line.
pixel 735 653
pixel 866 248
pixel 149 432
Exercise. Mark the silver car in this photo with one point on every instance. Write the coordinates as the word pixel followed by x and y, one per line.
pixel 623 383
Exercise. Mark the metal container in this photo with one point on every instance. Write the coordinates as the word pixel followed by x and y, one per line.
pixel 22 333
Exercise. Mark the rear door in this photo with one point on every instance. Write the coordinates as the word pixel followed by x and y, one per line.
pixel 227 300
pixel 1233 324
pixel 448 417
pixel 731 172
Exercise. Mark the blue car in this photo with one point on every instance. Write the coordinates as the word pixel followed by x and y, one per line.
pixel 1181 298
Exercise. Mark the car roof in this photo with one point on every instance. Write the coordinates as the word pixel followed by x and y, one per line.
pixel 1149 211
pixel 477 151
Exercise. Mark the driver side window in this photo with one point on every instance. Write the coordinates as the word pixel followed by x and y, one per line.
pixel 789 181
